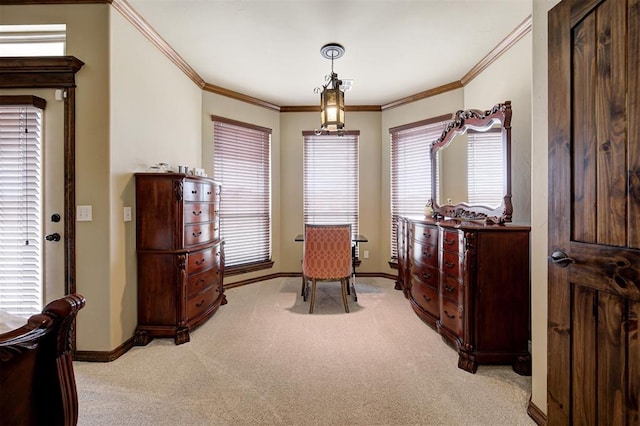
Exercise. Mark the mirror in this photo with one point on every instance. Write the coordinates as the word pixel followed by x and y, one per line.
pixel 471 167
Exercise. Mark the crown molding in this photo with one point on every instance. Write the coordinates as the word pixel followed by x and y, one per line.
pixel 131 15
pixel 143 26
pixel 521 30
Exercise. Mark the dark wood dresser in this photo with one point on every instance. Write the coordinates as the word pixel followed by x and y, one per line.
pixel 470 282
pixel 180 254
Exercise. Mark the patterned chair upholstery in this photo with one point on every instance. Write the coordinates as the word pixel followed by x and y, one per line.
pixel 327 257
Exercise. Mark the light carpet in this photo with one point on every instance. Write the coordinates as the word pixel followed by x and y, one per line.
pixel 263 360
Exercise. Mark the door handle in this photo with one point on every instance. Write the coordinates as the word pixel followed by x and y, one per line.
pixel 53 237
pixel 561 259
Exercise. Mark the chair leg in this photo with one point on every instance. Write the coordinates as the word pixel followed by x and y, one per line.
pixel 313 295
pixel 343 284
pixel 304 291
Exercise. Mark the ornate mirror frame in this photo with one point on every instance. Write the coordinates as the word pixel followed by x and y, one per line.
pixel 476 120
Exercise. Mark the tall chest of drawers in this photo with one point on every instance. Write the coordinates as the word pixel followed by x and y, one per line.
pixel 180 254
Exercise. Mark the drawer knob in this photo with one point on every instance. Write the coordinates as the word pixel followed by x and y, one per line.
pixel 198 213
pixel 426 234
pixel 200 262
pixel 200 281
pixel 200 303
pixel 426 276
pixel 196 234
pixel 194 191
pixel 449 264
pixel 449 289
pixel 449 315
pixel 428 299
pixel 449 242
pixel 426 254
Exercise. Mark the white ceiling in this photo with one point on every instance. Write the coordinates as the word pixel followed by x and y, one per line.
pixel 270 49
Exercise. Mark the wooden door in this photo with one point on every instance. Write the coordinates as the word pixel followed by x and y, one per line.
pixel 594 213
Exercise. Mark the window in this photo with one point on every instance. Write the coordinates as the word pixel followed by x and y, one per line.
pixel 33 40
pixel 411 169
pixel 242 164
pixel 20 208
pixel 485 166
pixel 330 179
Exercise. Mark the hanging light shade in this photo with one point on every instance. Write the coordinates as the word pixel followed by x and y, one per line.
pixel 332 95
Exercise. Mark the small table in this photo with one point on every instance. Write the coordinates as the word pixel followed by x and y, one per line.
pixel 358 238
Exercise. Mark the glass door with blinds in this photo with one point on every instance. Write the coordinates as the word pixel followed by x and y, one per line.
pixel 31 200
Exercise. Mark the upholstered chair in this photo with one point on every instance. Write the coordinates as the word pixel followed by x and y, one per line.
pixel 327 257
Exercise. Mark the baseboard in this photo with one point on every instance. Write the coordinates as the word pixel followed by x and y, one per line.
pixel 98 356
pixel 536 414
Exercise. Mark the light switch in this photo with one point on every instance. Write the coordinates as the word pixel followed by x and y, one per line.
pixel 127 214
pixel 84 213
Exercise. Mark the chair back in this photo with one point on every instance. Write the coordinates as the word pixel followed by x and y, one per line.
pixel 327 251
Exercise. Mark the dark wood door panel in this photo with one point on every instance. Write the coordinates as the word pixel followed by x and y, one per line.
pixel 594 212
pixel 610 269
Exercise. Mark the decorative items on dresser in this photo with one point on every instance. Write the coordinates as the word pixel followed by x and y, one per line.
pixel 180 254
pixel 470 282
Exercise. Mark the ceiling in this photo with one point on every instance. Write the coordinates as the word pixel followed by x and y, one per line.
pixel 270 49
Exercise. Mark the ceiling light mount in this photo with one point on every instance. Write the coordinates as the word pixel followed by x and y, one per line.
pixel 332 51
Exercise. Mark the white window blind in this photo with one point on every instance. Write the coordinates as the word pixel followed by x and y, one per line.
pixel 33 40
pixel 330 179
pixel 20 209
pixel 242 164
pixel 485 165
pixel 411 169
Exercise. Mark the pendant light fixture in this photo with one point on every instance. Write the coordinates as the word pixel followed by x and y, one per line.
pixel 331 93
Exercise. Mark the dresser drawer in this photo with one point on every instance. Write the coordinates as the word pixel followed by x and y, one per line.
pixel 198 282
pixel 426 297
pixel 425 233
pixel 199 234
pixel 451 264
pixel 451 316
pixel 425 253
pixel 450 240
pixel 200 191
pixel 425 274
pixel 451 288
pixel 199 212
pixel 202 301
pixel 203 259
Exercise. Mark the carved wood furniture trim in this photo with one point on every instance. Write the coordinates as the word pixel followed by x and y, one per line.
pixel 461 123
pixel 57 73
pixel 36 368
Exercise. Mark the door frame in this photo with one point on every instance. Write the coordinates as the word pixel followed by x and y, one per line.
pixel 55 73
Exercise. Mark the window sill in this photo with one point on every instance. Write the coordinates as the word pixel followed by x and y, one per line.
pixel 248 267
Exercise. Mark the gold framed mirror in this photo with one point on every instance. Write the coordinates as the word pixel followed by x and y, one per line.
pixel 471 164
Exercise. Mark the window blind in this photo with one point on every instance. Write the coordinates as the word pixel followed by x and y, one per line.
pixel 20 210
pixel 485 165
pixel 411 169
pixel 242 164
pixel 330 179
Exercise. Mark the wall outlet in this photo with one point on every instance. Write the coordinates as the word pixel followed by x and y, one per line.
pixel 84 214
pixel 127 214
pixel 366 254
